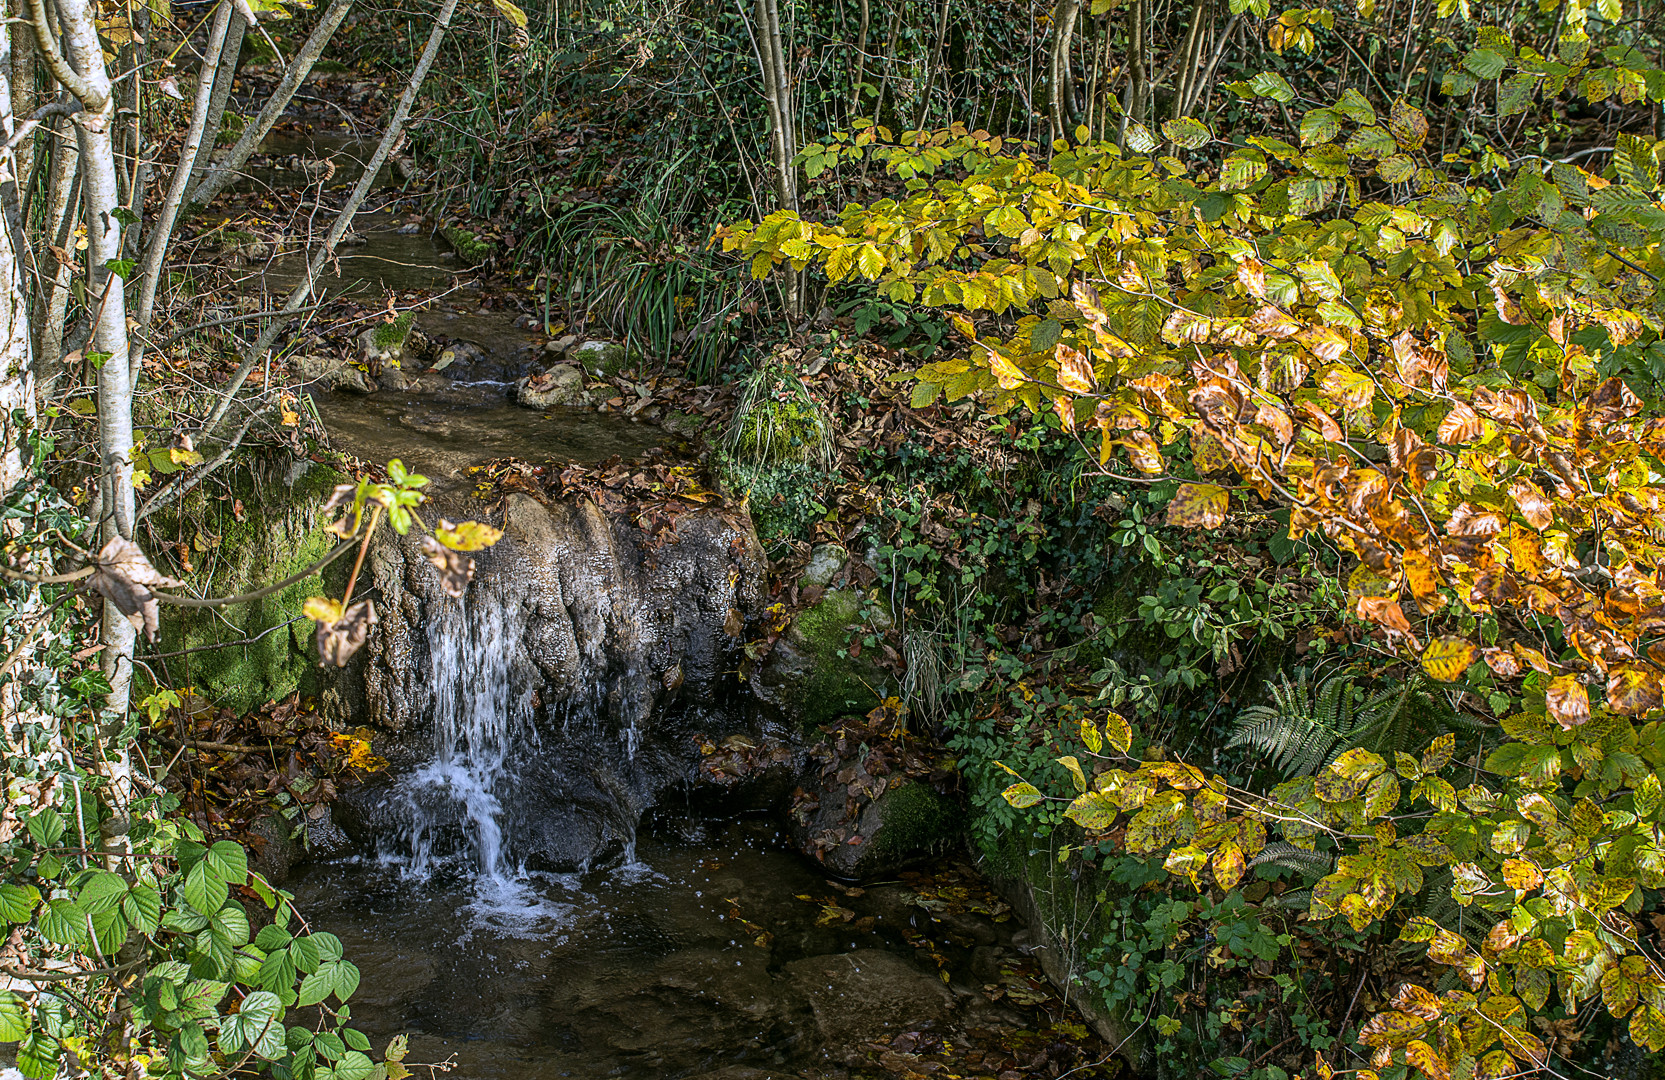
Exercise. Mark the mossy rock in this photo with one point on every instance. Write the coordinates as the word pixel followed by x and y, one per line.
pixel 244 655
pixel 811 676
pixel 391 336
pixel 779 431
pixel 602 359
pixel 470 248
pixel 916 819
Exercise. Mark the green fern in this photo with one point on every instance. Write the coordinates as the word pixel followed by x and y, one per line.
pixel 1304 728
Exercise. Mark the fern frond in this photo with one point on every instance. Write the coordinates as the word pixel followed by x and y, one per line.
pixel 1289 857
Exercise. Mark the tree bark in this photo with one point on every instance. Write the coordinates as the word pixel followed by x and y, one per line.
pixel 224 75
pixel 936 62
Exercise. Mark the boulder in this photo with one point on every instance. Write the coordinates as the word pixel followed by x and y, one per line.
pixel 865 827
pixel 603 359
pixel 868 994
pixel 810 676
pixel 562 384
pixel 333 373
pixel 825 561
pixel 464 352
pixel 386 343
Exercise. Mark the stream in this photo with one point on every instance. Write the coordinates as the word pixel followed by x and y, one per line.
pixel 681 945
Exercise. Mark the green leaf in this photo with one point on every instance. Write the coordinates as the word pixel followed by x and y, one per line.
pixel 229 862
pixel 142 906
pixel 1485 63
pixel 1515 95
pixel 1269 84
pixel 1319 126
pixel 273 937
pixel 14 1021
pixel 316 986
pixel 306 953
pixel 356 1039
pixel 204 890
pixel 46 827
pixel 346 980
pixel 354 1066
pixel 17 902
pixel 230 924
pixel 1355 107
pixel 1371 142
pixel 64 922
pixel 1022 795
pixel 1189 132
pixel 101 892
pixel 1396 169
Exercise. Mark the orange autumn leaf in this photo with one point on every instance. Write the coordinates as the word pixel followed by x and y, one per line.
pixel 1633 689
pixel 1075 371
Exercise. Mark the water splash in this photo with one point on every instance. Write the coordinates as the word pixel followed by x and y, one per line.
pixel 481 710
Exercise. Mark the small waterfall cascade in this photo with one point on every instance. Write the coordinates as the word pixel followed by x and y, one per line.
pixel 482 712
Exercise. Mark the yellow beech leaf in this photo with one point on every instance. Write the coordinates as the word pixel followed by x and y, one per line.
pixel 1022 795
pixel 1118 732
pixel 1070 762
pixel 1075 371
pixel 1006 373
pixel 1093 810
pixel 1419 1055
pixel 1198 506
pixel 1207 455
pixel 1446 658
pixel 1229 865
pixel 469 536
pixel 1632 689
pixel 1520 874
pixel 1091 735
pixel 322 609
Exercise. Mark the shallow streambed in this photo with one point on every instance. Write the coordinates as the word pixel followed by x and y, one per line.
pixel 715 950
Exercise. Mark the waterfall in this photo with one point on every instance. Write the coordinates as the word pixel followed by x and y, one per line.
pixel 482 708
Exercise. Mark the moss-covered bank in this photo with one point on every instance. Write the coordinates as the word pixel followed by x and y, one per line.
pixel 262 526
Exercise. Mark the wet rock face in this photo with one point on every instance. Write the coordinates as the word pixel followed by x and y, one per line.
pixel 605 648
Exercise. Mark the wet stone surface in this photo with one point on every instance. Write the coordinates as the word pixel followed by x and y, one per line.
pixel 716 953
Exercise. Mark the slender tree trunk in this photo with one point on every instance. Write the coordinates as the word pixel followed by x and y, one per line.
pixel 861 58
pixel 224 170
pixel 224 75
pixel 783 145
pixel 931 72
pixel 161 232
pixel 84 75
pixel 890 57
pixel 62 213
pixel 23 101
pixel 1058 66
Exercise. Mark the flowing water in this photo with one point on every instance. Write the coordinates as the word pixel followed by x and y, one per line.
pixel 702 949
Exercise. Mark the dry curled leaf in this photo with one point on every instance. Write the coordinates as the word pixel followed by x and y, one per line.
pixel 125 578
pixel 341 637
pixel 456 570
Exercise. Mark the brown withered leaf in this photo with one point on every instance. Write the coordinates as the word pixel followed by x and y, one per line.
pixel 1417 1000
pixel 1535 507
pixel 1568 701
pixel 125 577
pixel 1633 689
pixel 456 570
pixel 1383 612
pixel 338 640
pixel 1503 662
pixel 735 624
pixel 1462 424
pixel 1251 274
pixel 1326 425
pixel 1075 371
pixel 342 493
pixel 1506 308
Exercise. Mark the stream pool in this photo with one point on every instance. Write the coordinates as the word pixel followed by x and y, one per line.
pixel 716 952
